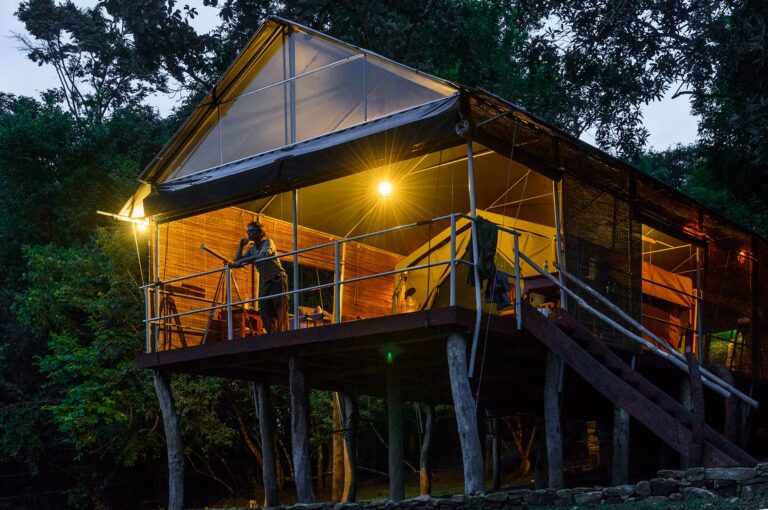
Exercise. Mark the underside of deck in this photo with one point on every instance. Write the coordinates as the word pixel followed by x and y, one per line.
pixel 353 357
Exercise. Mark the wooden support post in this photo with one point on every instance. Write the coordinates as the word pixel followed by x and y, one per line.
pixel 731 407
pixel 697 395
pixel 269 462
pixel 687 403
pixel 350 417
pixel 337 443
pixel 172 441
pixel 466 415
pixel 395 421
pixel 302 467
pixel 552 432
pixel 425 464
pixel 620 447
pixel 493 430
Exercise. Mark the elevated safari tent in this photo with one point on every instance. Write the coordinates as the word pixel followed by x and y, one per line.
pixel 377 183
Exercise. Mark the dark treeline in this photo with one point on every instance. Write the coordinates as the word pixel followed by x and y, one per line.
pixel 79 424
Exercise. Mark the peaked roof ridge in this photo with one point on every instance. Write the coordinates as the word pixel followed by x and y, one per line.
pixel 252 51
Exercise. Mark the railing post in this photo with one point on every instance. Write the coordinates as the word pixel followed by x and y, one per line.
pixel 475 255
pixel 157 286
pixel 148 317
pixel 336 284
pixel 295 204
pixel 518 286
pixel 228 276
pixel 453 261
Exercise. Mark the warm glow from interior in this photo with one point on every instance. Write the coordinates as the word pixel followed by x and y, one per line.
pixel 385 189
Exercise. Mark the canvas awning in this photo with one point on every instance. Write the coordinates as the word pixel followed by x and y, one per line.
pixel 387 139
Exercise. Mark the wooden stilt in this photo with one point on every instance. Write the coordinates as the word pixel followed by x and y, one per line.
pixel 687 402
pixel 731 407
pixel 302 467
pixel 466 415
pixel 395 421
pixel 425 465
pixel 620 447
pixel 173 441
pixel 337 442
pixel 493 428
pixel 350 416
pixel 269 463
pixel 697 395
pixel 553 435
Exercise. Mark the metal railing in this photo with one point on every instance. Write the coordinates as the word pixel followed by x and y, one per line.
pixel 154 322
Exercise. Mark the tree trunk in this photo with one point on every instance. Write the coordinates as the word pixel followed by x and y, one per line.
pixel 554 438
pixel 425 466
pixel 493 429
pixel 337 441
pixel 395 422
pixel 620 447
pixel 351 415
pixel 466 415
pixel 302 467
pixel 173 441
pixel 269 465
pixel 697 395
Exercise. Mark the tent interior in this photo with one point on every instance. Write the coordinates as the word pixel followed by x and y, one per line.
pixel 420 189
pixel 669 270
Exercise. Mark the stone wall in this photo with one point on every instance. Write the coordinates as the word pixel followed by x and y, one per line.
pixel 670 485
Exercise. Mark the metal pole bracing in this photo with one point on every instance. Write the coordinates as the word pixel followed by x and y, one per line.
pixel 336 286
pixel 518 285
pixel 295 201
pixel 699 303
pixel 475 252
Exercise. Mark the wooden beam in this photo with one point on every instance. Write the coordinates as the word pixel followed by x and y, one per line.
pixel 173 442
pixel 302 467
pixel 351 418
pixel 337 445
pixel 620 447
pixel 552 433
pixel 493 431
pixel 269 466
pixel 466 415
pixel 395 422
pixel 425 464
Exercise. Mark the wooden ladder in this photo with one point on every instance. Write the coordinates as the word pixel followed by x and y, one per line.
pixel 605 371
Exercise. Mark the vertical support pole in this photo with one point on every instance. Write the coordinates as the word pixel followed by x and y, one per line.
pixel 493 429
pixel 228 287
pixel 518 284
pixel 337 445
pixel 269 464
pixel 173 441
pixel 157 284
pixel 475 251
pixel 559 247
pixel 425 464
pixel 336 284
pixel 295 202
pixel 365 87
pixel 620 447
pixel 302 467
pixel 699 304
pixel 148 319
pixel 395 422
pixel 466 414
pixel 452 275
pixel 350 417
pixel 292 86
pixel 697 395
pixel 554 437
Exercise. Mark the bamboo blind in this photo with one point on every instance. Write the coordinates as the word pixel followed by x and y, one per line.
pixel 180 255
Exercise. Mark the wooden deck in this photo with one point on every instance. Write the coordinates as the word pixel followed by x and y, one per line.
pixel 352 357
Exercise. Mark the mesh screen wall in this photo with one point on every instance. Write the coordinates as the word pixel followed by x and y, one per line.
pixel 602 248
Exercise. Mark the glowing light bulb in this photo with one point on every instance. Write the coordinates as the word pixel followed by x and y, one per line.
pixel 385 189
pixel 141 226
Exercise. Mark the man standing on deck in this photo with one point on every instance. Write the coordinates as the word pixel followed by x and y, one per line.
pixel 272 277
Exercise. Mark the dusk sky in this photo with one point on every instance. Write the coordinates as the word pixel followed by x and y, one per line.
pixel 669 121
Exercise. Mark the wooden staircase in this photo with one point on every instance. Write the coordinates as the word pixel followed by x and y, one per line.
pixel 605 371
